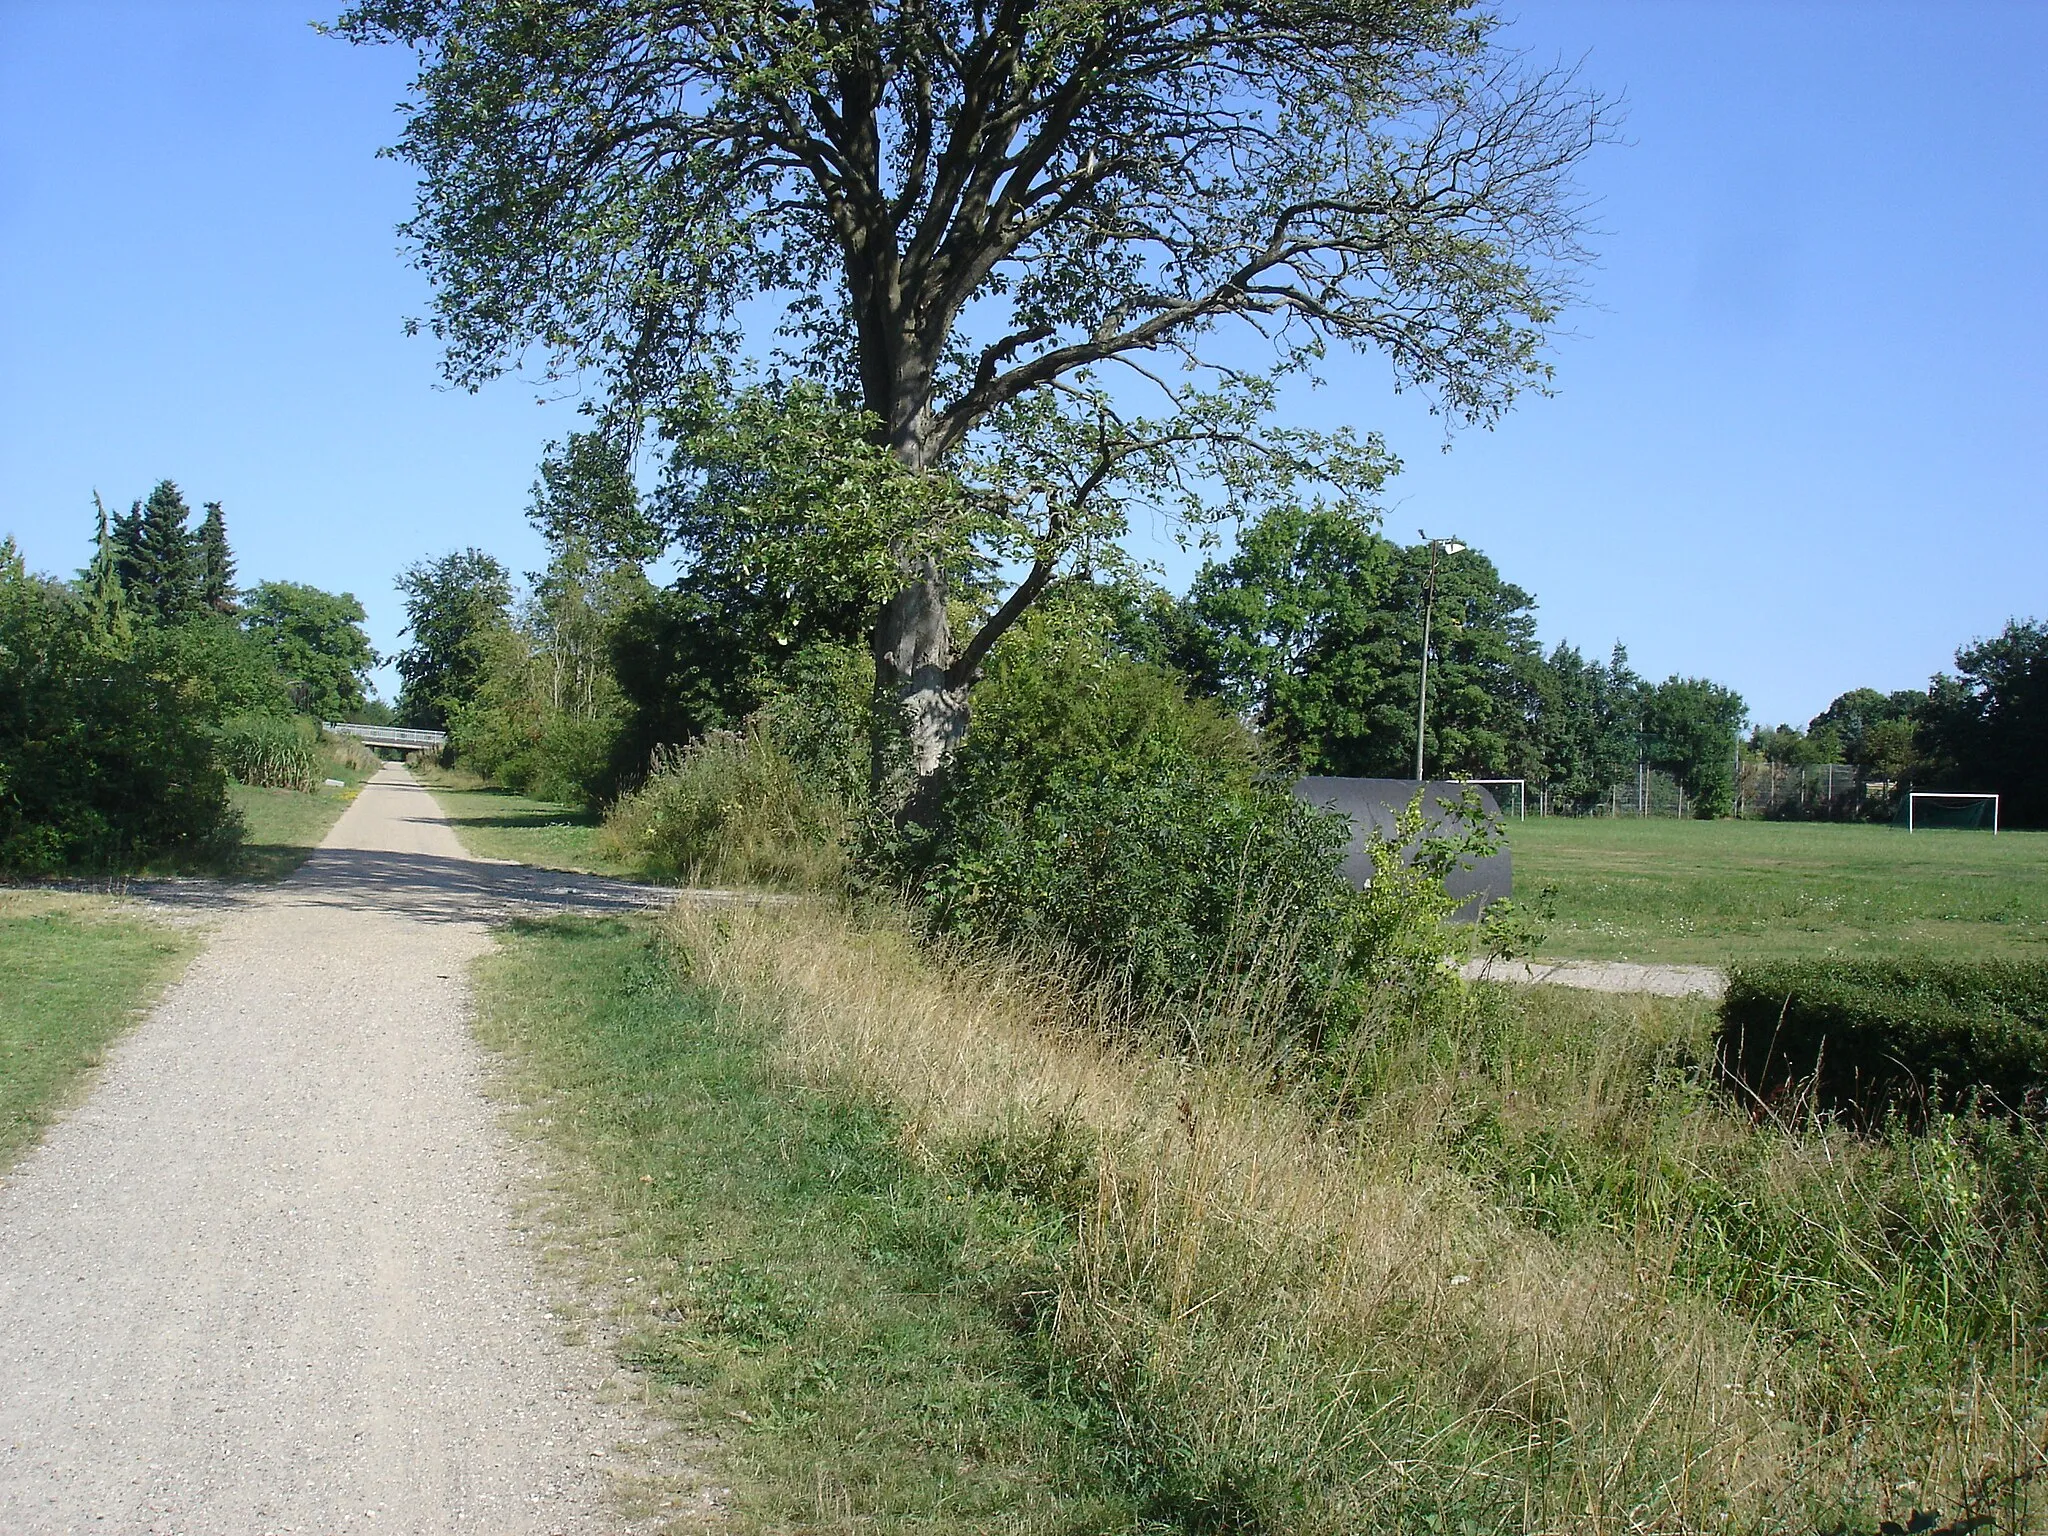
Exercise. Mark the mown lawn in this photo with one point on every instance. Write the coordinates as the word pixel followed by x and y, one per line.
pixel 1718 892
pixel 496 823
pixel 74 973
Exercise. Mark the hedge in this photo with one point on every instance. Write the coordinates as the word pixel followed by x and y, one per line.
pixel 1870 1038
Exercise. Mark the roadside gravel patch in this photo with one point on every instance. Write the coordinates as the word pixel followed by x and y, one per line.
pixel 272 1276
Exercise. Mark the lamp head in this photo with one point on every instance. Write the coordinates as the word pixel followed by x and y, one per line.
pixel 1450 546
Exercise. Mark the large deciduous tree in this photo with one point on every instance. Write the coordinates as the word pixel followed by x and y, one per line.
pixel 1314 628
pixel 316 642
pixel 974 213
pixel 453 605
pixel 1987 726
pixel 1690 729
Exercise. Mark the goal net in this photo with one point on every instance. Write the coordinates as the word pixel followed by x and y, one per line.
pixel 1521 793
pixel 1924 809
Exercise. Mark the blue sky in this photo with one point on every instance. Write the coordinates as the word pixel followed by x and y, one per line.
pixel 1797 444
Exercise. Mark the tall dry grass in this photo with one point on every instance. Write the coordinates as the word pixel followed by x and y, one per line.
pixel 1284 1322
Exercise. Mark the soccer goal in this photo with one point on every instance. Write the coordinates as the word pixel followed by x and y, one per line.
pixel 1521 794
pixel 1949 810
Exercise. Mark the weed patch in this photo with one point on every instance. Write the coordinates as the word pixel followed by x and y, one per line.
pixel 1541 1275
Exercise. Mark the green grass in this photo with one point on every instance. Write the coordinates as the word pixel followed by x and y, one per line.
pixel 73 975
pixel 496 823
pixel 845 1324
pixel 280 827
pixel 284 826
pixel 1719 892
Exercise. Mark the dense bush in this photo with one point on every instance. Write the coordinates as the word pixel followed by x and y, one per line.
pixel 1871 1037
pixel 549 755
pixel 732 808
pixel 107 743
pixel 271 751
pixel 1099 813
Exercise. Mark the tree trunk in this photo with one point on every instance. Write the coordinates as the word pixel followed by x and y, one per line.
pixel 920 712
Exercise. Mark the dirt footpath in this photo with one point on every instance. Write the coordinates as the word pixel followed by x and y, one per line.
pixel 269 1276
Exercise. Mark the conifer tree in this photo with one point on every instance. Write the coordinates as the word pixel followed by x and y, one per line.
pixel 216 563
pixel 126 537
pixel 169 563
pixel 106 604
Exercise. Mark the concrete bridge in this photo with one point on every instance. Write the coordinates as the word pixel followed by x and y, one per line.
pixel 398 737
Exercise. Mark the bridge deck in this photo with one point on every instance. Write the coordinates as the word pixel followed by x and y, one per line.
pixel 400 737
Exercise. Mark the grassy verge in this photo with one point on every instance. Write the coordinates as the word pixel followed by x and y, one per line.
pixel 1725 891
pixel 1545 1277
pixel 835 1311
pixel 933 1258
pixel 496 823
pixel 282 826
pixel 73 975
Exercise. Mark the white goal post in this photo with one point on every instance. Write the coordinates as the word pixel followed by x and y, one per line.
pixel 1521 793
pixel 1914 797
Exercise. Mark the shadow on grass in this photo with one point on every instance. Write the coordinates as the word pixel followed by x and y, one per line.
pixel 526 820
pixel 264 863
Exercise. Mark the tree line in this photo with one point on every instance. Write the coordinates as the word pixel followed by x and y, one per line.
pixel 1310 632
pixel 1982 728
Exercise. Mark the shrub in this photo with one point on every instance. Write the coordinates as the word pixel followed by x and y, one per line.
pixel 818 711
pixel 731 808
pixel 107 745
pixel 1100 814
pixel 1871 1037
pixel 271 752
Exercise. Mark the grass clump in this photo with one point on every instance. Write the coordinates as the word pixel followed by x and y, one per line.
pixel 1874 1037
pixel 733 808
pixel 271 751
pixel 74 974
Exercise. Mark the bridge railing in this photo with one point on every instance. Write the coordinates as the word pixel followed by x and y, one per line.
pixel 387 735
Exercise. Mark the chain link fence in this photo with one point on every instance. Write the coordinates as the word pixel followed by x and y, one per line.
pixel 1763 791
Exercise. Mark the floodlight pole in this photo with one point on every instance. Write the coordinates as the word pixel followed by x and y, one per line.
pixel 1438 548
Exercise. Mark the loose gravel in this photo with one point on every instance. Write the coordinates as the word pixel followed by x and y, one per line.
pixel 271 1276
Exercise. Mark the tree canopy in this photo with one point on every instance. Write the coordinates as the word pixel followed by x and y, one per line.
pixel 452 605
pixel 316 642
pixel 1691 727
pixel 968 214
pixel 1986 728
pixel 1314 628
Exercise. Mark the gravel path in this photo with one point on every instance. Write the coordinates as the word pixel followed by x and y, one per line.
pixel 269 1277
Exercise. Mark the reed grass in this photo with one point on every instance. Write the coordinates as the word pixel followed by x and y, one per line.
pixel 269 752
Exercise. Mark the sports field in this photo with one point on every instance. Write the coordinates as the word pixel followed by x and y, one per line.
pixel 1717 892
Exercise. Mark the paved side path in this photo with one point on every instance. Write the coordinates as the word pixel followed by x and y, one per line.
pixel 1604 976
pixel 268 1277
